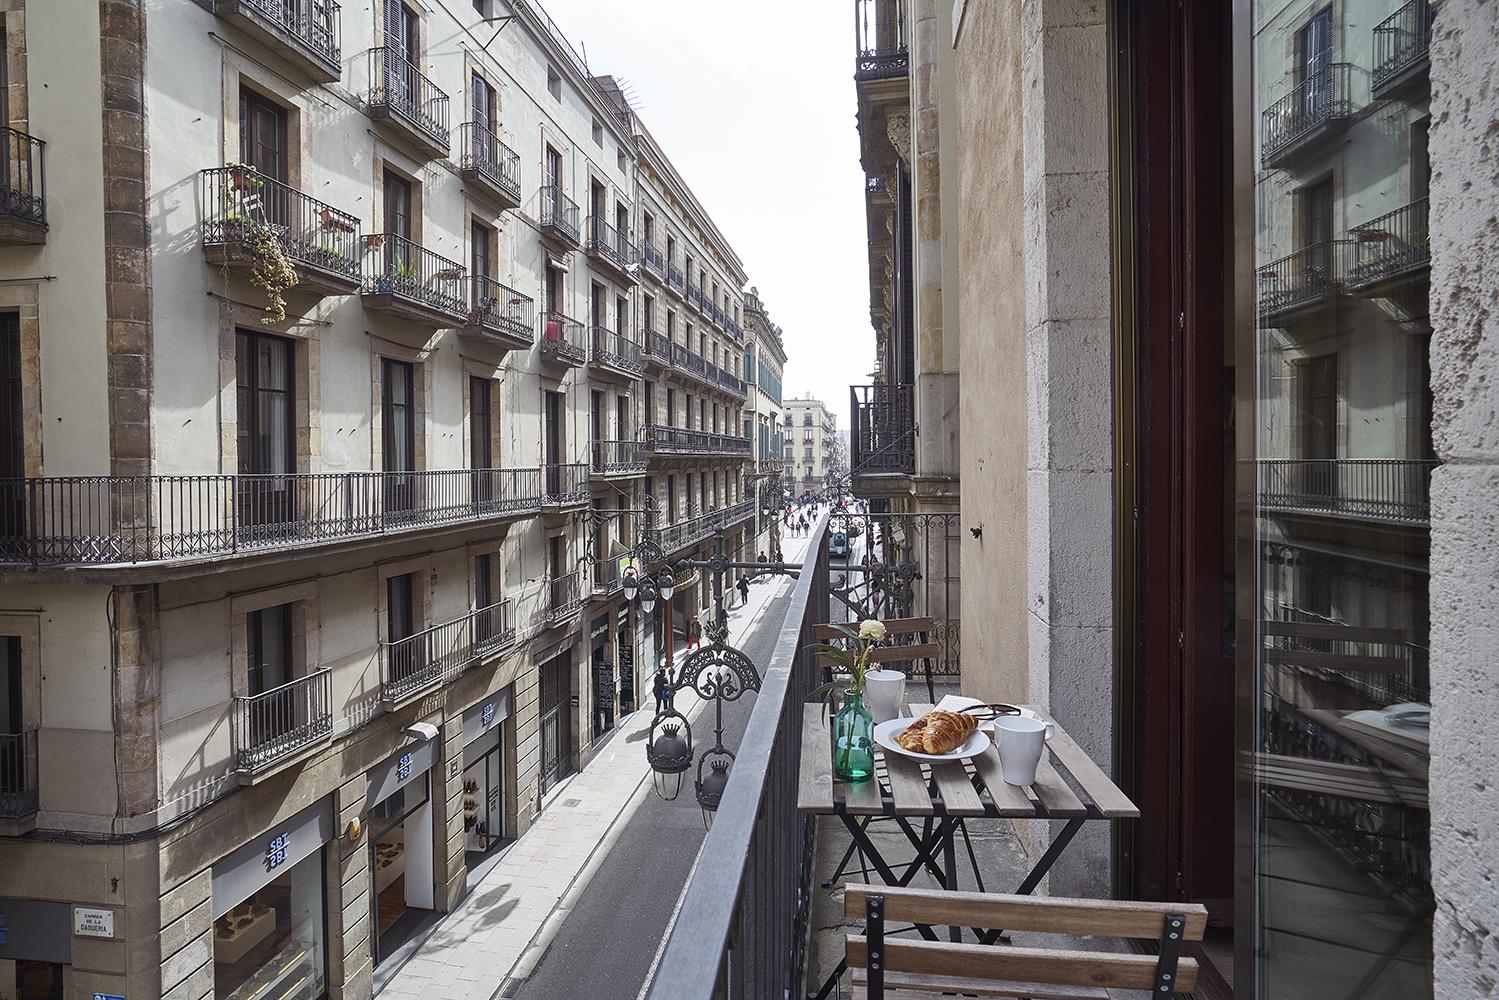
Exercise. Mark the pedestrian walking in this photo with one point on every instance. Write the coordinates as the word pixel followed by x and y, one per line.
pixel 743 588
pixel 662 689
pixel 694 634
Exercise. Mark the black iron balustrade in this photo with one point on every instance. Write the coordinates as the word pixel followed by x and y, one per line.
pixel 271 726
pixel 563 339
pixel 403 271
pixel 1323 102
pixel 241 205
pixel 1379 489
pixel 310 27
pixel 1301 280
pixel 654 258
pixel 1390 245
pixel 559 215
pixel 564 483
pixel 617 351
pixel 438 654
pixel 488 159
pixel 613 458
pixel 882 439
pixel 399 90
pixel 689 361
pixel 613 246
pixel 606 577
pixel 1402 45
pixel 698 527
pixel 100 520
pixel 564 596
pixel 675 279
pixel 731 382
pixel 664 440
pixel 880 40
pixel 18 774
pixel 501 309
pixel 23 182
pixel 655 345
pixel 694 296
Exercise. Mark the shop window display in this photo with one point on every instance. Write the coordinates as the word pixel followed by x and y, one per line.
pixel 271 944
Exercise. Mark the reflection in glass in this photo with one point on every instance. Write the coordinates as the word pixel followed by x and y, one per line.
pixel 271 945
pixel 1344 458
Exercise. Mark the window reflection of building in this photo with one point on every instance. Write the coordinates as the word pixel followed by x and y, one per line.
pixel 271 943
pixel 1345 458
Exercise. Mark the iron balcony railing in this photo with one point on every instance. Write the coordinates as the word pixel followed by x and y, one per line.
pixel 438 654
pixel 487 156
pixel 240 204
pixel 564 483
pixel 312 25
pixel 675 280
pixel 398 88
pixel 654 258
pixel 731 382
pixel 564 596
pixel 559 212
pixel 882 439
pixel 24 194
pixel 397 267
pixel 271 726
pixel 1395 490
pixel 1324 99
pixel 18 771
pixel 1392 244
pixel 563 339
pixel 1304 278
pixel 880 40
pixel 502 309
pixel 1402 43
pixel 617 351
pixel 700 526
pixel 606 577
pixel 611 244
pixel 663 440
pixel 619 457
pixel 655 345
pixel 99 520
pixel 689 361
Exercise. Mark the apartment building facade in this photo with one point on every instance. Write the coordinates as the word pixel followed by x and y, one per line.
pixel 764 370
pixel 327 408
pixel 812 447
pixel 904 433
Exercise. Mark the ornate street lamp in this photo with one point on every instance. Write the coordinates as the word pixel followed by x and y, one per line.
pixel 668 750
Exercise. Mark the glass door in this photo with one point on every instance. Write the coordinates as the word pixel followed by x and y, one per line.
pixel 398 443
pixel 1340 681
pixel 265 425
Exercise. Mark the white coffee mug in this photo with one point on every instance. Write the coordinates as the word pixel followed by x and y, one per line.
pixel 884 690
pixel 1020 740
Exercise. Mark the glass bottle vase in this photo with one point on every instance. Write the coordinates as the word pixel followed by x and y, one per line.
pixel 853 740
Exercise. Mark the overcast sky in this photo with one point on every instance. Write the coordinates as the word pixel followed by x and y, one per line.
pixel 755 105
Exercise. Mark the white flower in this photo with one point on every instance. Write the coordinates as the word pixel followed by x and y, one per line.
pixel 871 630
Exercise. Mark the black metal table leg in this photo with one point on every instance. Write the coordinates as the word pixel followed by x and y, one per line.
pixel 1039 871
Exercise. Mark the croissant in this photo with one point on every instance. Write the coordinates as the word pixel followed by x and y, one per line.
pixel 937 732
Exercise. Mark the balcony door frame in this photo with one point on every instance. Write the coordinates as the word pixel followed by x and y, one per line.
pixel 1174 479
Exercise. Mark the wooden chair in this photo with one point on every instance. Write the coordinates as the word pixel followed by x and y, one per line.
pixel 887 968
pixel 912 642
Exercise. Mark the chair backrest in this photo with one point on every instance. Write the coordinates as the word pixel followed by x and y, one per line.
pixel 1168 923
pixel 893 626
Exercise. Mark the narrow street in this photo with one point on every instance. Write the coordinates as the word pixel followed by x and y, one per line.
pixel 607 946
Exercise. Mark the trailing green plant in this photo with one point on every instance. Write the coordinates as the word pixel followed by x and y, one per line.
pixel 270 270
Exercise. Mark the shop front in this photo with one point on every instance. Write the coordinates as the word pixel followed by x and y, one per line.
pixel 556 720
pixel 399 797
pixel 269 912
pixel 602 672
pixel 36 947
pixel 486 776
pixel 624 650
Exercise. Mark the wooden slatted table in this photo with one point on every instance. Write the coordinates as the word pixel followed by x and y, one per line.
pixel 941 796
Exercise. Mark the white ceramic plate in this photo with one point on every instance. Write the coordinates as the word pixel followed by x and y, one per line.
pixel 885 732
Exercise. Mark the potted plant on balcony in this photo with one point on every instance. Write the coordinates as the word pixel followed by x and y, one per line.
pixel 853 725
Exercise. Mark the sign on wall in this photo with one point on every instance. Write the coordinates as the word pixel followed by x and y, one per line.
pixel 94 922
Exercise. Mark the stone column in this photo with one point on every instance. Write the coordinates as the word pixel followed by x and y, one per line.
pixel 451 872
pixel 1465 497
pixel 350 964
pixel 137 641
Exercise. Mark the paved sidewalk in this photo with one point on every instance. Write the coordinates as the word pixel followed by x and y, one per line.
pixel 522 900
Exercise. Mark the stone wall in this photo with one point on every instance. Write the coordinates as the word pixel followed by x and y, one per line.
pixel 1465 496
